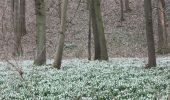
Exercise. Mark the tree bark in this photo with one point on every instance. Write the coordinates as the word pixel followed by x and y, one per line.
pixel 17 28
pixel 95 32
pixel 162 31
pixel 98 31
pixel 59 8
pixel 89 36
pixel 40 33
pixel 22 12
pixel 121 11
pixel 100 27
pixel 59 52
pixel 127 7
pixel 149 34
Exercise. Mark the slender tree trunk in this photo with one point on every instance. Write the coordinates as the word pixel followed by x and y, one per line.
pixel 149 34
pixel 40 33
pixel 121 11
pixel 89 36
pixel 59 52
pixel 127 7
pixel 3 16
pixel 17 28
pixel 12 9
pixel 22 12
pixel 162 31
pixel 12 5
pixel 59 8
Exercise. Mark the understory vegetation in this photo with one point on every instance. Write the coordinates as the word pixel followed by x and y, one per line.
pixel 116 79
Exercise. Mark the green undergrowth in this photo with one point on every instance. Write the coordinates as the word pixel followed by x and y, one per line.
pixel 116 79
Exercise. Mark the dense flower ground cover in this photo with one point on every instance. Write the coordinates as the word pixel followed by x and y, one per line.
pixel 116 79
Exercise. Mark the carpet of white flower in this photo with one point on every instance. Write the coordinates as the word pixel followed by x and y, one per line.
pixel 116 79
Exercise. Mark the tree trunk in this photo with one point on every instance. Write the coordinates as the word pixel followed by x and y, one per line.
pixel 121 11
pixel 98 31
pixel 149 34
pixel 95 32
pixel 22 12
pixel 89 36
pixel 100 27
pixel 40 33
pixel 59 8
pixel 127 7
pixel 12 5
pixel 59 52
pixel 17 28
pixel 162 31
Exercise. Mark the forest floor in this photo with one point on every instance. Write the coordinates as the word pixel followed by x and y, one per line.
pixel 80 79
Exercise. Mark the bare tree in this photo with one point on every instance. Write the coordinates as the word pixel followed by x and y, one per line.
pixel 59 8
pixel 59 52
pixel 121 11
pixel 149 34
pixel 127 7
pixel 95 32
pixel 162 30
pixel 98 31
pixel 18 13
pixel 89 36
pixel 22 17
pixel 40 33
pixel 17 28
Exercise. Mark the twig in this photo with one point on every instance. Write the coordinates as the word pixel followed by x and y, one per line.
pixel 20 72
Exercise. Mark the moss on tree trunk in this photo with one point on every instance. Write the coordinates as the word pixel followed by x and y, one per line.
pixel 40 33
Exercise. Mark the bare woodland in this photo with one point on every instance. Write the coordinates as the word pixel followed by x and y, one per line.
pixel 120 27
pixel 85 29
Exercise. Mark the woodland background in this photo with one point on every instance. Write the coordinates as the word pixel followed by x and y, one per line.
pixel 123 40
